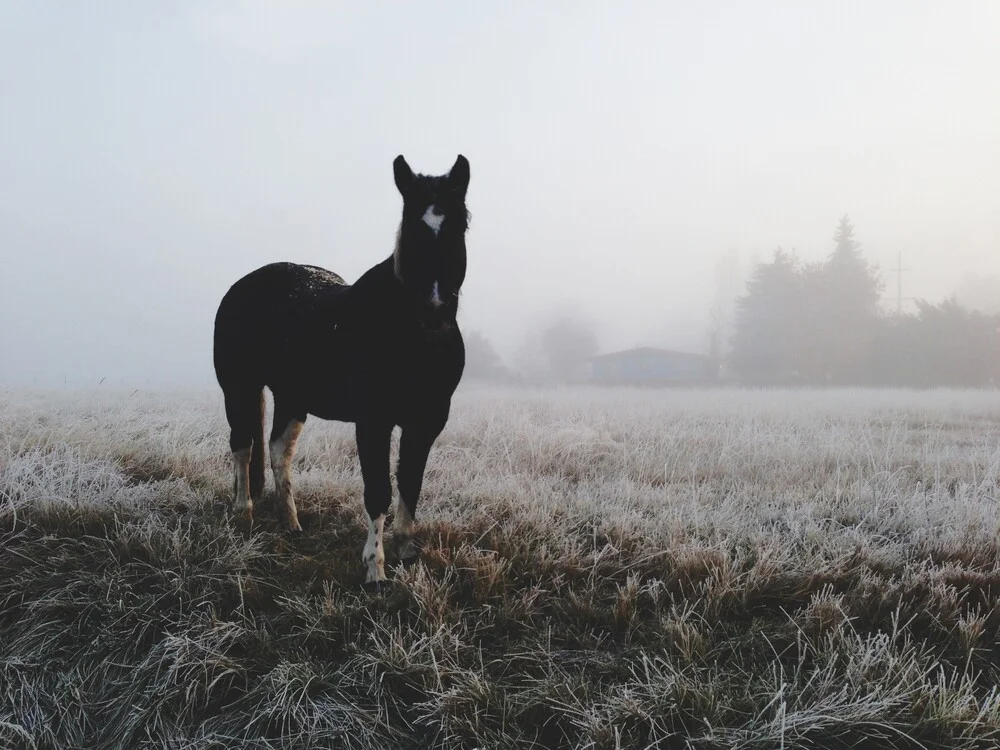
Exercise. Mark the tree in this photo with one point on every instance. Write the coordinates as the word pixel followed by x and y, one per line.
pixel 729 282
pixel 567 343
pixel 847 246
pixel 559 350
pixel 982 293
pixel 767 333
pixel 842 315
pixel 942 345
pixel 481 359
pixel 960 347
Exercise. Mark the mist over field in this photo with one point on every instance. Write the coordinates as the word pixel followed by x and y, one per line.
pixel 630 164
pixel 722 470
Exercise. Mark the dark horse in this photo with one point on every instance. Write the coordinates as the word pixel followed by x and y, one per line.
pixel 382 352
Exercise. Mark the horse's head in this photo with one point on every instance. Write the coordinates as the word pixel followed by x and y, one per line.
pixel 430 249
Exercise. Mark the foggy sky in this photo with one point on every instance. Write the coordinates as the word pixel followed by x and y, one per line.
pixel 153 153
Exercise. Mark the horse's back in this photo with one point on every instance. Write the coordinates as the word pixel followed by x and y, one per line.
pixel 277 284
pixel 264 310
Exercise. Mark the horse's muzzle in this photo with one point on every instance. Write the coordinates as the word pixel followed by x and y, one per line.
pixel 436 320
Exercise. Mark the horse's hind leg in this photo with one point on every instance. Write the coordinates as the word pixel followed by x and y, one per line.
pixel 285 430
pixel 241 488
pixel 244 414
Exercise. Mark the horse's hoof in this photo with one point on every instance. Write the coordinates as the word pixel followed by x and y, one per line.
pixel 407 550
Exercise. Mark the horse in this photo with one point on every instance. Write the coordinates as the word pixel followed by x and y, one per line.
pixel 384 352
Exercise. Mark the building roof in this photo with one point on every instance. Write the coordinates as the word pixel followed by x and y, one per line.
pixel 648 350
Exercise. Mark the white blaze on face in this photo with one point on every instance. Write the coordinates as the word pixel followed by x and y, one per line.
pixel 432 219
pixel 436 296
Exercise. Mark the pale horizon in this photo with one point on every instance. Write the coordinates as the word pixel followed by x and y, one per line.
pixel 153 154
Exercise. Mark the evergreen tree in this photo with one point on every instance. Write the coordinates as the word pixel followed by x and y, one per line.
pixel 843 312
pixel 767 334
pixel 847 246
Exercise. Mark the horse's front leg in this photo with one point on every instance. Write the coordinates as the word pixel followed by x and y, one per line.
pixel 414 448
pixel 373 451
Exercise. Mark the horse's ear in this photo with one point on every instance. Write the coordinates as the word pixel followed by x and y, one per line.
pixel 459 174
pixel 403 174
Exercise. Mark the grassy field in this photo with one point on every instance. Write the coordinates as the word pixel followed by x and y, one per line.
pixel 601 569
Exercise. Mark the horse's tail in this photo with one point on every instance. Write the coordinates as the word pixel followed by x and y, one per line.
pixel 257 452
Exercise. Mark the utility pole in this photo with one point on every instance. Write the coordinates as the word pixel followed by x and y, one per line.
pixel 899 283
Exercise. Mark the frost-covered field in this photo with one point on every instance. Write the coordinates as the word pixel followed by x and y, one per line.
pixel 601 569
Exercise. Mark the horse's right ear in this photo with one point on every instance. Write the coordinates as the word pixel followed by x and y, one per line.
pixel 459 174
pixel 403 174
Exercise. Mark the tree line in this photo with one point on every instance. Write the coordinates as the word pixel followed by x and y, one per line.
pixel 556 352
pixel 821 324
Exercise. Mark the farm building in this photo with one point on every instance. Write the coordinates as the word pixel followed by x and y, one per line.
pixel 646 365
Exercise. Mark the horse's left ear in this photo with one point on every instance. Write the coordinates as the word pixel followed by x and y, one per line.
pixel 459 174
pixel 403 174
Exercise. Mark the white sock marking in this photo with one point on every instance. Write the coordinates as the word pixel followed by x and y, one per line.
pixel 432 219
pixel 436 296
pixel 373 554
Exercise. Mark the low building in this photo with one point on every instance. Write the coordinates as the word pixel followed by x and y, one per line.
pixel 646 365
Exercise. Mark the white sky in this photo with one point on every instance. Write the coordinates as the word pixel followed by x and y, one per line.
pixel 153 153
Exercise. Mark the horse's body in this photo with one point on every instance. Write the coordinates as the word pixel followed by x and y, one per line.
pixel 381 353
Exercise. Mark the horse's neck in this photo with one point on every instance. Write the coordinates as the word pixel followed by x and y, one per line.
pixel 379 280
pixel 378 289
